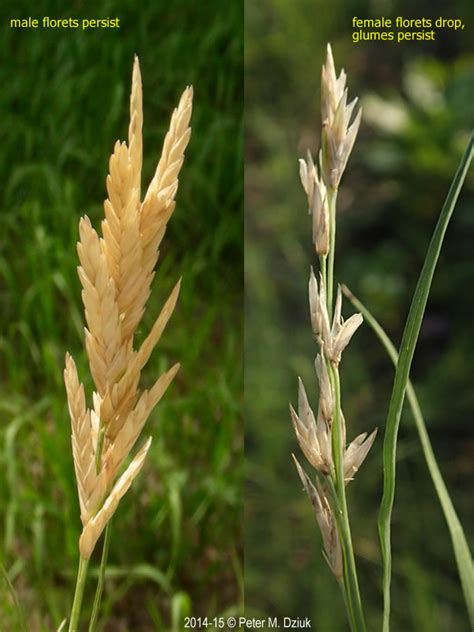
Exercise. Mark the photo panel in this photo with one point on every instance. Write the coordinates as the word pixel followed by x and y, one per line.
pixel 166 248
pixel 379 169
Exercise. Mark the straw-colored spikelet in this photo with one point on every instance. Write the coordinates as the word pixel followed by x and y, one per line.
pixel 314 437
pixel 333 339
pixel 338 133
pixel 317 204
pixel 325 517
pixel 116 272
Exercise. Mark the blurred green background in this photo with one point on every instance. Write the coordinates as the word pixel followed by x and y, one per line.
pixel 417 113
pixel 176 539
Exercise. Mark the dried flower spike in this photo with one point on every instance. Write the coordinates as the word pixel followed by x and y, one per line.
pixel 116 272
pixel 322 438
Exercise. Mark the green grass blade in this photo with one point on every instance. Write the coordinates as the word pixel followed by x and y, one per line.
pixel 462 553
pixel 14 597
pixel 101 579
pixel 407 350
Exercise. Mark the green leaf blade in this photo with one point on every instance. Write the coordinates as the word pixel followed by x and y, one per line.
pixel 461 549
pixel 407 350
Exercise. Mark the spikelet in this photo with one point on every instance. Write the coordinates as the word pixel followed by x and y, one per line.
pixel 314 437
pixel 339 131
pixel 318 207
pixel 116 271
pixel 333 339
pixel 325 517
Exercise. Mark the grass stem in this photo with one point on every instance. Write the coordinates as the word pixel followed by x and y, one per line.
pixel 78 594
pixel 101 579
pixel 16 602
pixel 332 197
pixel 350 571
pixel 105 549
pixel 323 269
pixel 342 585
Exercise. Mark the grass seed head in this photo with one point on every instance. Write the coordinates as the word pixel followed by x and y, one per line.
pixel 116 270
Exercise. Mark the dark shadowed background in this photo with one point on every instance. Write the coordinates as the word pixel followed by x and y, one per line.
pixel 417 113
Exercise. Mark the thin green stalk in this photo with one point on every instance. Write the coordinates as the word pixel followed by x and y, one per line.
pixel 347 605
pixel 101 579
pixel 345 530
pixel 337 442
pixel 353 602
pixel 78 594
pixel 458 538
pixel 16 602
pixel 323 269
pixel 106 541
pixel 332 197
pixel 351 569
pixel 407 350
pixel 344 581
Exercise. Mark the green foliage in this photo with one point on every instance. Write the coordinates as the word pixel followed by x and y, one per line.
pixel 458 537
pixel 176 537
pixel 402 372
